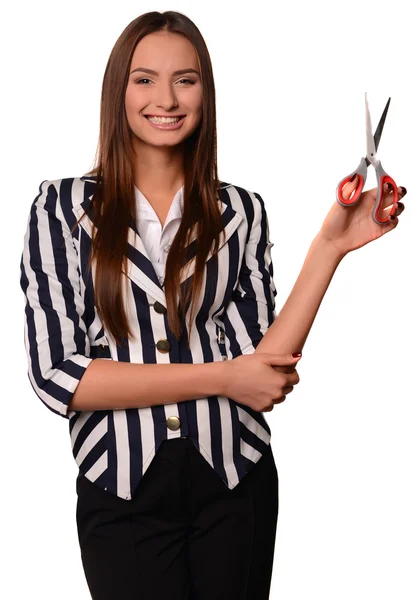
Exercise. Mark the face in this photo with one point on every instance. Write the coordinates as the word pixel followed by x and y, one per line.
pixel 163 92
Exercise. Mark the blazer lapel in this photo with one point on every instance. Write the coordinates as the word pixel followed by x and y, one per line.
pixel 139 266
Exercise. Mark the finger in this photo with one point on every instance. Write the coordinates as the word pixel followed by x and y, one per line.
pixel 402 191
pixel 279 400
pixel 388 192
pixel 288 369
pixel 388 189
pixel 400 208
pixel 389 207
pixel 283 360
pixel 392 222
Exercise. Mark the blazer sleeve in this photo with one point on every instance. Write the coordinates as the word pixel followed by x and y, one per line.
pixel 251 310
pixel 55 333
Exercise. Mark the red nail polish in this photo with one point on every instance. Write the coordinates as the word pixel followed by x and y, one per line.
pixel 297 354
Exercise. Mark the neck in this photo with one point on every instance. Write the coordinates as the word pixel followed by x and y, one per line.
pixel 158 169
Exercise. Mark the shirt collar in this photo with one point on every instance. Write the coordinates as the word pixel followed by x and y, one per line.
pixel 146 210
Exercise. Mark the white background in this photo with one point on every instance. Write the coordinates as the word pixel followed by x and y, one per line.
pixel 290 80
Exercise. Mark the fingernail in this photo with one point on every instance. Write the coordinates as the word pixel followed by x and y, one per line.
pixel 404 191
pixel 355 175
pixel 400 205
pixel 392 217
pixel 297 354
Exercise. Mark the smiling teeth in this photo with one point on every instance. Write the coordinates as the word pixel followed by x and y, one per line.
pixel 164 119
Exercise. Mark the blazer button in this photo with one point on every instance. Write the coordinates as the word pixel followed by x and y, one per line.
pixel 173 423
pixel 159 308
pixel 163 346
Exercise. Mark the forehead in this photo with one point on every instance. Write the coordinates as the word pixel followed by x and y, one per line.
pixel 164 51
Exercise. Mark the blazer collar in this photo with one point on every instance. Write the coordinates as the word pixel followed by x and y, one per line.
pixel 139 266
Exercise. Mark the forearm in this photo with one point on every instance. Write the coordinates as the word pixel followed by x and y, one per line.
pixel 110 384
pixel 290 329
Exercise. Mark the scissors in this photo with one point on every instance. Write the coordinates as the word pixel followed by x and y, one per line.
pixel 378 213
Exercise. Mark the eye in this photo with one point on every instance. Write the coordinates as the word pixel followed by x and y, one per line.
pixel 146 79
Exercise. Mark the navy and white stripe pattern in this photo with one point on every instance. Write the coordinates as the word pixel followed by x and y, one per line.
pixel 63 334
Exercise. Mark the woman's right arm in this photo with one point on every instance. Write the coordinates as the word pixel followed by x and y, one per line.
pixel 62 374
pixel 110 384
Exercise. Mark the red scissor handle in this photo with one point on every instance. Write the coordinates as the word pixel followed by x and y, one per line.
pixel 361 173
pixel 378 210
pixel 357 192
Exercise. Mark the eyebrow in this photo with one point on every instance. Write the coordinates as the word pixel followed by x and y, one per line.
pixel 151 72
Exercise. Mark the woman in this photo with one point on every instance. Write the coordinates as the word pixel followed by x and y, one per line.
pixel 142 278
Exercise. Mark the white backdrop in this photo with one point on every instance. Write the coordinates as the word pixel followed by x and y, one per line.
pixel 290 80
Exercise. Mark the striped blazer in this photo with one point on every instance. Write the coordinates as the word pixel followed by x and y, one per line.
pixel 63 334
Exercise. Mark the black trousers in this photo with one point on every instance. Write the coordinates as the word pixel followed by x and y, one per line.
pixel 184 535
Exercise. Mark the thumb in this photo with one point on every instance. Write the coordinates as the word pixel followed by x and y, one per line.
pixel 349 188
pixel 284 359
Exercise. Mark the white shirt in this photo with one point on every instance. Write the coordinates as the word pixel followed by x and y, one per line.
pixel 156 240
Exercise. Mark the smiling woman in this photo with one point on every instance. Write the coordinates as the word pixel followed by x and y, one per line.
pixel 151 327
pixel 140 285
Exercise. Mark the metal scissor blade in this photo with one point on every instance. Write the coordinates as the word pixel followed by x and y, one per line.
pixel 380 126
pixel 371 147
pixel 379 130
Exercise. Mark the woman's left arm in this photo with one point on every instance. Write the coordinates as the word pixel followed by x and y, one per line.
pixel 344 229
pixel 292 325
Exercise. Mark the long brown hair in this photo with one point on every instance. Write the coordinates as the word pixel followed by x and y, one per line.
pixel 114 198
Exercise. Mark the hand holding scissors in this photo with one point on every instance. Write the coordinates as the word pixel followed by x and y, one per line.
pixel 379 211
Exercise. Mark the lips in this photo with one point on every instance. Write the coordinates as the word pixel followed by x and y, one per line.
pixel 170 125
pixel 166 116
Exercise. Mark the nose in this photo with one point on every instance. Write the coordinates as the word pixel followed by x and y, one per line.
pixel 165 96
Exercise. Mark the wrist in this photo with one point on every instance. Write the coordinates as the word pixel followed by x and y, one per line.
pixel 328 248
pixel 220 376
